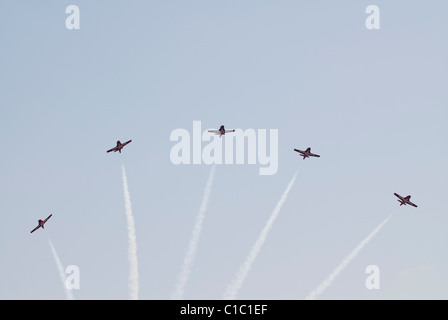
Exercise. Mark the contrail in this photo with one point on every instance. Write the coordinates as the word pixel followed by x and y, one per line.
pixel 68 291
pixel 132 249
pixel 189 257
pixel 345 262
pixel 233 288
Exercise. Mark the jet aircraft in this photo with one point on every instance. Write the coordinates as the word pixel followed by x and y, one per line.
pixel 307 153
pixel 119 146
pixel 404 200
pixel 41 223
pixel 222 131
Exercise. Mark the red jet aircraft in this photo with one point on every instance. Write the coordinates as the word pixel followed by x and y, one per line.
pixel 119 146
pixel 41 223
pixel 404 200
pixel 307 153
pixel 222 131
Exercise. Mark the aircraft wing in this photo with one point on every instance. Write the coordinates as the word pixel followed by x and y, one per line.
pixel 48 217
pixel 412 204
pixel 113 149
pixel 299 151
pixel 398 196
pixel 227 131
pixel 35 229
pixel 314 155
pixel 214 131
pixel 126 143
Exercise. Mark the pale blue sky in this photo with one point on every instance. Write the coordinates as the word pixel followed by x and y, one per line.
pixel 372 103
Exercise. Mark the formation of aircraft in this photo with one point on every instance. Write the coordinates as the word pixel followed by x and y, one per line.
pixel 307 153
pixel 119 146
pixel 405 200
pixel 41 223
pixel 221 131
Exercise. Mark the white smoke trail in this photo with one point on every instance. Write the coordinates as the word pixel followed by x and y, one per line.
pixel 189 257
pixel 68 291
pixel 132 241
pixel 235 285
pixel 324 285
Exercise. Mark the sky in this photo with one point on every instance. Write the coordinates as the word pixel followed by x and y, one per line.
pixel 371 102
